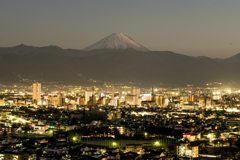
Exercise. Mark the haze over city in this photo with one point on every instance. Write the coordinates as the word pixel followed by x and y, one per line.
pixel 199 28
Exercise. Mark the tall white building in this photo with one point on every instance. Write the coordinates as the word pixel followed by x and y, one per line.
pixel 136 96
pixel 36 95
pixel 87 95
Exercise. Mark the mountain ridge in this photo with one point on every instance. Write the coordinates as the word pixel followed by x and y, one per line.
pixel 55 64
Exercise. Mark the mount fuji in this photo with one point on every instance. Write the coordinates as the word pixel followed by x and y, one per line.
pixel 116 58
pixel 117 41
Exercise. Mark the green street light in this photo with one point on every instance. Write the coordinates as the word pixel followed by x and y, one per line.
pixel 157 144
pixel 74 138
pixel 50 132
pixel 114 144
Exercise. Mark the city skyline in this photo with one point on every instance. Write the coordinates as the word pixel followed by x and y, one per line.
pixel 199 28
pixel 119 122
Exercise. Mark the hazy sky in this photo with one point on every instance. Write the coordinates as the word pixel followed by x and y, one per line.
pixel 193 27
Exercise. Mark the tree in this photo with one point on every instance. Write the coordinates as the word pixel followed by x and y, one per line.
pixel 238 143
pixel 27 128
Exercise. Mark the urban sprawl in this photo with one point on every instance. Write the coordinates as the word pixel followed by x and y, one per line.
pixel 119 122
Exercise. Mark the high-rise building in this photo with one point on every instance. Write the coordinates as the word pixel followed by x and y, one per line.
pixel 191 98
pixel 88 95
pixel 55 100
pixel 159 100
pixel 36 95
pixel 136 96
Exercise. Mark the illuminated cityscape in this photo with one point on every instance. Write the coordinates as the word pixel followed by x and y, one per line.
pixel 119 80
pixel 116 121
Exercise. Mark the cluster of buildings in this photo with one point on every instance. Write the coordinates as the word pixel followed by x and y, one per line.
pixel 181 98
pixel 117 121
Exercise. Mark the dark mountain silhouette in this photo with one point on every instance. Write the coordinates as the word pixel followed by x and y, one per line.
pixel 54 64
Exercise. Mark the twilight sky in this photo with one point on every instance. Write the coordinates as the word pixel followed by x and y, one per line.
pixel 193 27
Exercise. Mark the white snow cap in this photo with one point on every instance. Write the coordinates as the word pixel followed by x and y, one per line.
pixel 117 41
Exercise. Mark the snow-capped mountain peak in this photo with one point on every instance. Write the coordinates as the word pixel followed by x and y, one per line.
pixel 117 41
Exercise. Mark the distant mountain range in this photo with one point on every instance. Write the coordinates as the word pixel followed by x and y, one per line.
pixel 116 58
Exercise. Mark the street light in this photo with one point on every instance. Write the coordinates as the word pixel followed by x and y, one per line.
pixel 50 132
pixel 114 144
pixel 75 138
pixel 157 144
pixel 145 134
